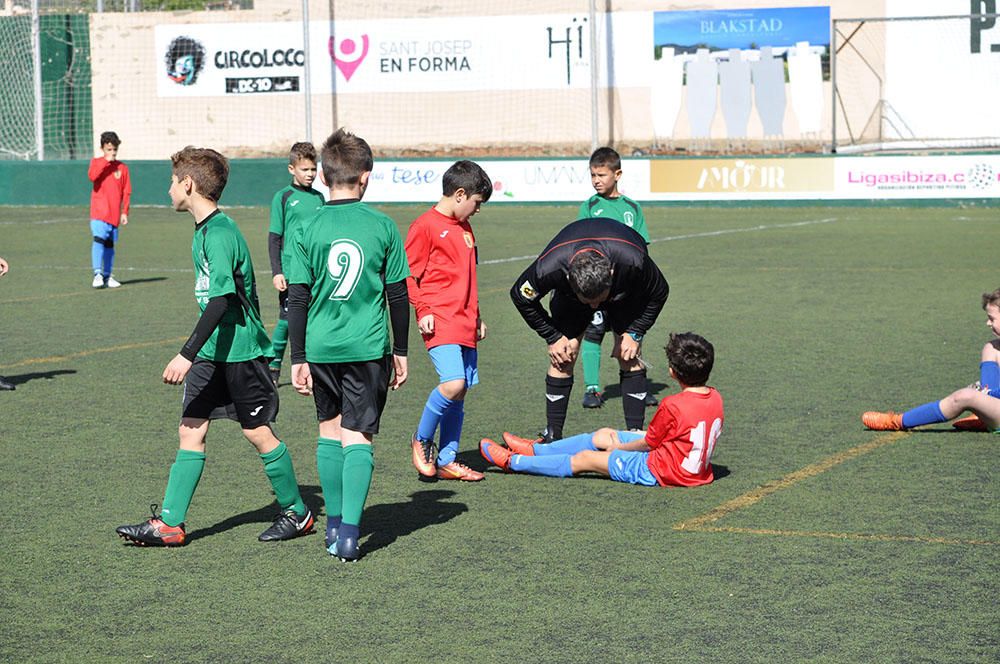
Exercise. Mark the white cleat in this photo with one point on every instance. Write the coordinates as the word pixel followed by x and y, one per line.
pixel 98 281
pixel 113 283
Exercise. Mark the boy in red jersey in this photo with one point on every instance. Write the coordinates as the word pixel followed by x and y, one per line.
pixel 109 202
pixel 676 450
pixel 441 250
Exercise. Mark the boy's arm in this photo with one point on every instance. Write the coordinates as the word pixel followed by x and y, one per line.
pixel 298 306
pixel 99 169
pixel 417 248
pixel 640 223
pixel 399 320
pixel 207 323
pixel 274 246
pixel 527 293
pixel 584 211
pixel 656 290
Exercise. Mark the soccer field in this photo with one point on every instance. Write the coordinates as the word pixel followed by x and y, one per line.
pixel 820 541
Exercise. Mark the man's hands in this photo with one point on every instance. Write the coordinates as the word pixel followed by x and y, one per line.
pixel 176 370
pixel 426 325
pixel 628 348
pixel 563 352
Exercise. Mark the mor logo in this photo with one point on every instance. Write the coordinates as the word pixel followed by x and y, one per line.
pixel 185 58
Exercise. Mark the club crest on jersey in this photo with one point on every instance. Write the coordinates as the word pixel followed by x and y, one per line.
pixel 528 291
pixel 469 242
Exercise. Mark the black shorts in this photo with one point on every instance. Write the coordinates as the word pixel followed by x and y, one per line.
pixel 354 390
pixel 571 316
pixel 240 391
pixel 283 304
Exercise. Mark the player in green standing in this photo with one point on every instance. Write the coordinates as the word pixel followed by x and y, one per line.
pixel 346 288
pixel 223 364
pixel 605 172
pixel 290 207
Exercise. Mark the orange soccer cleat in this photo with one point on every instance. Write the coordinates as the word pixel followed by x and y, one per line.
pixel 878 421
pixel 519 445
pixel 458 471
pixel 495 454
pixel 153 532
pixel 970 423
pixel 423 456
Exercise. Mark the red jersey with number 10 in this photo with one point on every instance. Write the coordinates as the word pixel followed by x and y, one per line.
pixel 682 437
pixel 442 255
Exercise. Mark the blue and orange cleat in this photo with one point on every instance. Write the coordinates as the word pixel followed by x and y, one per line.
pixel 519 445
pixel 423 453
pixel 495 454
pixel 879 421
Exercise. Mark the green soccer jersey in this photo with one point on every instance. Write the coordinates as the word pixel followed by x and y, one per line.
pixel 222 266
pixel 346 255
pixel 622 209
pixel 289 208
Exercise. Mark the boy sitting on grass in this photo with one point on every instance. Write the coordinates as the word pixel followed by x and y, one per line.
pixel 676 450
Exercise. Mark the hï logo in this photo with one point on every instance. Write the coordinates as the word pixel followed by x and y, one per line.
pixel 185 59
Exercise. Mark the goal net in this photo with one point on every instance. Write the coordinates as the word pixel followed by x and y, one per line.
pixel 916 83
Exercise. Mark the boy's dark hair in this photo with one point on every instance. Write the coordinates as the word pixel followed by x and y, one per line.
pixel 110 137
pixel 691 357
pixel 589 274
pixel 467 175
pixel 345 157
pixel 606 157
pixel 992 298
pixel 302 150
pixel 208 169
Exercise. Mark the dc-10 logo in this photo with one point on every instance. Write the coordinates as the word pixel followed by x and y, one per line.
pixel 185 58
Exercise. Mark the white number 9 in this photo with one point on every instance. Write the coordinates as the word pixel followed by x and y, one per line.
pixel 345 263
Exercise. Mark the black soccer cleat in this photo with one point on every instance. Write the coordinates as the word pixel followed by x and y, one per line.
pixel 651 401
pixel 288 525
pixel 153 532
pixel 275 375
pixel 6 384
pixel 331 534
pixel 593 399
pixel 346 548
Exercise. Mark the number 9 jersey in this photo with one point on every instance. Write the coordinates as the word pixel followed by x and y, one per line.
pixel 346 254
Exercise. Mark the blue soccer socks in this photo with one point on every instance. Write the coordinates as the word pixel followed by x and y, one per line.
pixel 553 465
pixel 929 413
pixel 451 432
pixel 570 446
pixel 434 409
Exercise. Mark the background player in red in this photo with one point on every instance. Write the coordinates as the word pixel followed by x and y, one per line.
pixel 109 203
pixel 441 250
pixel 676 450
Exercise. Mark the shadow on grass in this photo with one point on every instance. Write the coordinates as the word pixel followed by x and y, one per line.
pixel 132 282
pixel 388 522
pixel 21 379
pixel 311 495
pixel 615 390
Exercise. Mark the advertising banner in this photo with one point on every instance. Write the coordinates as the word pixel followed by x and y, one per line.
pixel 464 54
pixel 730 180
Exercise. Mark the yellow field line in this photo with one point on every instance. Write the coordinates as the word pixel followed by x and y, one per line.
pixel 845 536
pixel 94 351
pixel 756 495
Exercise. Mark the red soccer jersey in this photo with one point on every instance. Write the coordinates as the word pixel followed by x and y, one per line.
pixel 442 282
pixel 112 190
pixel 682 437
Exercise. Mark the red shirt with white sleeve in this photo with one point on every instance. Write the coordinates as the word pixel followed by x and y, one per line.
pixel 442 254
pixel 682 436
pixel 112 190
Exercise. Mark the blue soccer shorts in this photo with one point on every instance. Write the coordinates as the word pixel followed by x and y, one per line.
pixel 454 362
pixel 630 467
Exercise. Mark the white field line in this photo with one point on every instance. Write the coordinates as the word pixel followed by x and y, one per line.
pixel 493 261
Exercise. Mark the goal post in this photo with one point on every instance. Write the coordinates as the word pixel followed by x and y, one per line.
pixel 915 83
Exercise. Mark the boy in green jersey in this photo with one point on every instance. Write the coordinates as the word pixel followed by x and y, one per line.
pixel 291 207
pixel 605 172
pixel 347 263
pixel 223 365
